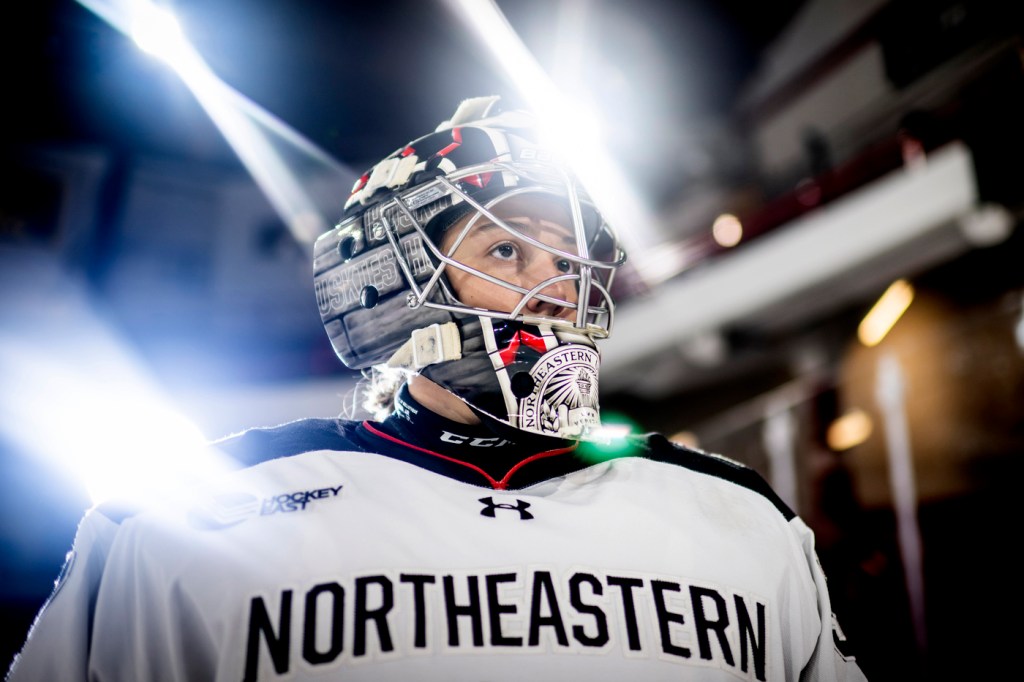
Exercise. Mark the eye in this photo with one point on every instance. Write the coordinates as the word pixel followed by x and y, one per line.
pixel 563 265
pixel 505 251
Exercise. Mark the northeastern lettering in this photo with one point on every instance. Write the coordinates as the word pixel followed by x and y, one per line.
pixel 564 358
pixel 584 612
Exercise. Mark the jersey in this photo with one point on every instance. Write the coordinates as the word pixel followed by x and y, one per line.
pixel 349 552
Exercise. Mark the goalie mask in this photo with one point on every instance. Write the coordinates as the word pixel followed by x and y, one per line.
pixel 472 257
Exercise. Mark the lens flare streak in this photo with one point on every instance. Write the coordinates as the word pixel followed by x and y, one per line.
pixel 247 128
pixel 566 123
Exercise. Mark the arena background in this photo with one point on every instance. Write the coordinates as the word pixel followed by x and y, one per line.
pixel 791 165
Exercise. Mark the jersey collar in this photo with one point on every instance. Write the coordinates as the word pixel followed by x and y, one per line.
pixel 470 452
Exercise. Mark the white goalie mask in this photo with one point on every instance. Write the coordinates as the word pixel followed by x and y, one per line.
pixel 419 274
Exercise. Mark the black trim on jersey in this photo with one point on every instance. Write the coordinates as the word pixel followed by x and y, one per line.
pixel 475 445
pixel 524 469
pixel 294 438
pixel 328 434
pixel 661 449
pixel 261 444
pixel 307 435
pixel 462 463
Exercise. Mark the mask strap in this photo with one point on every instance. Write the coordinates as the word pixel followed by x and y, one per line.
pixel 428 346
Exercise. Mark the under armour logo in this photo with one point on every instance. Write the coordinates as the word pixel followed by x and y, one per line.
pixel 520 506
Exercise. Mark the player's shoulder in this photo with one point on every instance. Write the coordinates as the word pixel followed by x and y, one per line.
pixel 657 447
pixel 260 444
pixel 249 449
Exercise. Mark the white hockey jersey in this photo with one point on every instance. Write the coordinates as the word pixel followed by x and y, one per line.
pixel 343 563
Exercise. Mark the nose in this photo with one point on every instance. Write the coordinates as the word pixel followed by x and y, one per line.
pixel 542 269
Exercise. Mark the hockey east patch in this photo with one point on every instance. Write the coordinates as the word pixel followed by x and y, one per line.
pixel 225 509
pixel 385 616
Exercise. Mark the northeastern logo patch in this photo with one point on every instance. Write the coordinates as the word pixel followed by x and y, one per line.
pixel 565 391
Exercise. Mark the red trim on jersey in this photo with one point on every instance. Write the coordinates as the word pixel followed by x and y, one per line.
pixel 497 485
pixel 407 151
pixel 503 483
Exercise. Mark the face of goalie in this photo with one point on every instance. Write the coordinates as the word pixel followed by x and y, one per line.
pixel 494 251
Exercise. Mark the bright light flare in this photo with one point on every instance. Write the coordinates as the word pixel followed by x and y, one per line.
pixel 571 132
pixel 885 313
pixel 665 261
pixel 727 230
pixel 157 31
pixel 610 432
pixel 249 130
pixel 94 414
pixel 848 431
pixel 611 439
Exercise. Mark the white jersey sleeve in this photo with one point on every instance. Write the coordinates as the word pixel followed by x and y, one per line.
pixel 58 643
pixel 829 661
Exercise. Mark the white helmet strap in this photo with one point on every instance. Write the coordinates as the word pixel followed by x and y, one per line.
pixel 428 346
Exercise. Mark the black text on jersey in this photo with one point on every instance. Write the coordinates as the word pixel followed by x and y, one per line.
pixel 584 612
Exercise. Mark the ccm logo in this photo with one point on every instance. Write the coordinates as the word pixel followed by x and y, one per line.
pixel 449 437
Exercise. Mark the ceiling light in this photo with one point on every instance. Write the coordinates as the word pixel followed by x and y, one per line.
pixel 852 429
pixel 885 313
pixel 727 230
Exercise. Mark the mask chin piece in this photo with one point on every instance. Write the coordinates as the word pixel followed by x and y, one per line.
pixel 531 378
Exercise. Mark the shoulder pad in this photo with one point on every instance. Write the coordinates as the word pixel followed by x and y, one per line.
pixel 257 445
pixel 661 449
pixel 118 510
pixel 294 438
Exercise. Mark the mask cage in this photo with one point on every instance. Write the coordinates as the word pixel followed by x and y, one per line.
pixel 598 252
